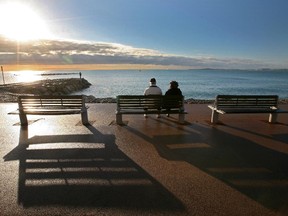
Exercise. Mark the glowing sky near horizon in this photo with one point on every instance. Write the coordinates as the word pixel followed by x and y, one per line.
pixel 238 31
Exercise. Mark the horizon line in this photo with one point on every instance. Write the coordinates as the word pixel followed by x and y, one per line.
pixel 138 67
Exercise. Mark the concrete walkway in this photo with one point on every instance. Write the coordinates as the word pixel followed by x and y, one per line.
pixel 56 166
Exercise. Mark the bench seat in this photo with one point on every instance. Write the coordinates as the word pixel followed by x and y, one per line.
pixel 149 104
pixel 51 105
pixel 242 110
pixel 52 112
pixel 246 104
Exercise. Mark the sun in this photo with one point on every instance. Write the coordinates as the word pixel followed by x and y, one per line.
pixel 21 22
pixel 27 76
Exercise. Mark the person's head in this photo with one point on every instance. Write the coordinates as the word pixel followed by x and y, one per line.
pixel 173 84
pixel 152 81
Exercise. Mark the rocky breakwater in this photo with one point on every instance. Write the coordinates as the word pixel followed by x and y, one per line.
pixel 9 92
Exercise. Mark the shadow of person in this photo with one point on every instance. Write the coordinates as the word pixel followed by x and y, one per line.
pixel 247 166
pixel 95 173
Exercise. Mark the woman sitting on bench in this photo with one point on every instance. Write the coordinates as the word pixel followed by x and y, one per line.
pixel 173 90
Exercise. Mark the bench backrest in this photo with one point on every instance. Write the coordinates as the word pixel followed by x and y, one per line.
pixel 134 102
pixel 246 101
pixel 55 102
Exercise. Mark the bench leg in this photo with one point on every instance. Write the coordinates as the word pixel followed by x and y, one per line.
pixel 181 118
pixel 23 119
pixel 273 117
pixel 119 119
pixel 214 117
pixel 84 118
pixel 23 137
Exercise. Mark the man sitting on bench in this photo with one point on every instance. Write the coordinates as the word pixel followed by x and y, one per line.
pixel 153 89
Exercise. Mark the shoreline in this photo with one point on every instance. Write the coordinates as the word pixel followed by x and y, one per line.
pixel 7 97
pixel 10 92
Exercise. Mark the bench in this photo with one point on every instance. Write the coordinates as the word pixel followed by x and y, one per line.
pixel 51 105
pixel 149 104
pixel 244 104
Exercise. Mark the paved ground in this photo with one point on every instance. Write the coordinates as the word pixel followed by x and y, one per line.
pixel 56 166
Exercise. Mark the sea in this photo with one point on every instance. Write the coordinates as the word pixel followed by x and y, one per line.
pixel 195 84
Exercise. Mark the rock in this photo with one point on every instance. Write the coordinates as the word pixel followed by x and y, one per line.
pixel 47 87
pixel 90 99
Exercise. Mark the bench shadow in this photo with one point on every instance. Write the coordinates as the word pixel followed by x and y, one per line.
pixel 97 175
pixel 253 170
pixel 281 137
pixel 278 137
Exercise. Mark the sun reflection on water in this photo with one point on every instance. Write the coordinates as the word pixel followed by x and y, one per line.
pixel 27 76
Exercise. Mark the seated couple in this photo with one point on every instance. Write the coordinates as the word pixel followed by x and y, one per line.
pixel 153 89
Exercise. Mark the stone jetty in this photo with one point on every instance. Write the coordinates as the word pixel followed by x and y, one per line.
pixel 9 92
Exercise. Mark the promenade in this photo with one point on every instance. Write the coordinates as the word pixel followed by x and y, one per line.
pixel 153 166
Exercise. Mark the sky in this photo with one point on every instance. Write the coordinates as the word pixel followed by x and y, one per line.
pixel 141 34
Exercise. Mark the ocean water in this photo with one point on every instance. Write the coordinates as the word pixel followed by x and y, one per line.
pixel 197 84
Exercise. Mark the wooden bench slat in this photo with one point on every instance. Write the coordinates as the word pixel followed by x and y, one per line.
pixel 52 112
pixel 51 105
pixel 228 104
pixel 151 104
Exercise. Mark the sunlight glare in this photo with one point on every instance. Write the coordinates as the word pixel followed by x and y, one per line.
pixel 27 76
pixel 20 22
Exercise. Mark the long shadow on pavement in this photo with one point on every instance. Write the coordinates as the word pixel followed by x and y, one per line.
pixel 258 172
pixel 99 175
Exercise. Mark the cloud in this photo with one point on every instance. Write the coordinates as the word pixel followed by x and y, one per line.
pixel 55 52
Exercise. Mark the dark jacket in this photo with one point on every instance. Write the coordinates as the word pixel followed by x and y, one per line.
pixel 173 91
